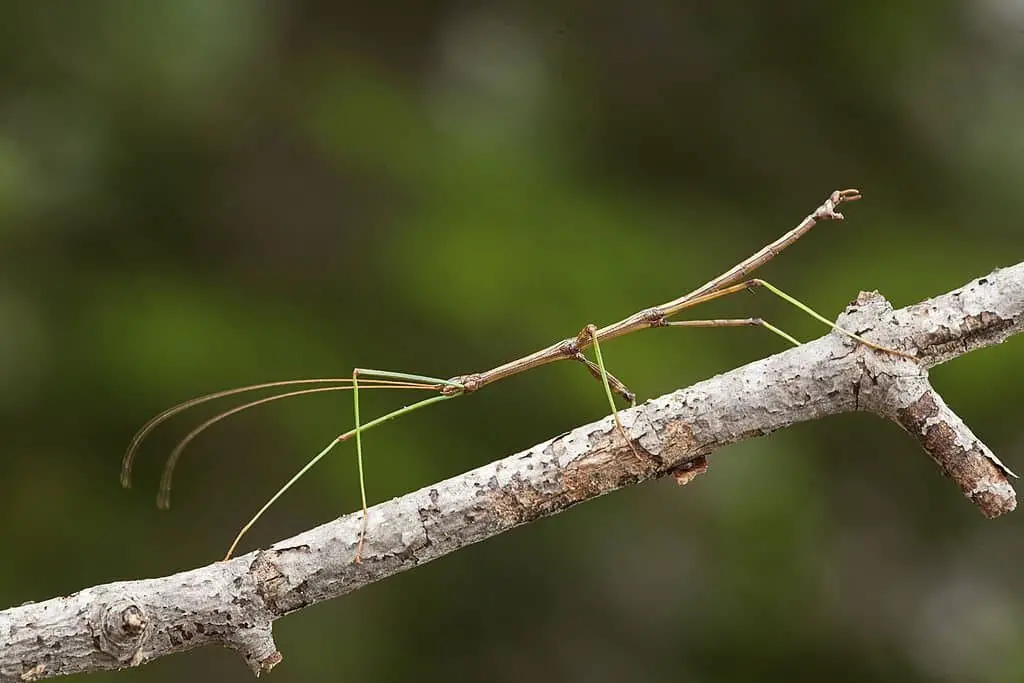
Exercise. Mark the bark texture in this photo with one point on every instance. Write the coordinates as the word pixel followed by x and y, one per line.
pixel 234 603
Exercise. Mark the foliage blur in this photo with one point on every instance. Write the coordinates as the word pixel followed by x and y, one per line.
pixel 196 195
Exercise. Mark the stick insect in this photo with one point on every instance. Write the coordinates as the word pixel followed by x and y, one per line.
pixel 731 281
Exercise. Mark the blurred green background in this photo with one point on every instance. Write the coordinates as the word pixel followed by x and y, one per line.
pixel 196 195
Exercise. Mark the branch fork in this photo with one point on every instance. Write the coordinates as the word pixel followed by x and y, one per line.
pixel 235 603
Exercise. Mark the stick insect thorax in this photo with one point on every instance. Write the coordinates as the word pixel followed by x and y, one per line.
pixel 729 282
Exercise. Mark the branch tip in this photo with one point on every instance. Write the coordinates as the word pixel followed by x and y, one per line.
pixel 268 663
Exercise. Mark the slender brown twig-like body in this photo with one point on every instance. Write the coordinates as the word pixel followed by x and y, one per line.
pixel 731 281
pixel 728 282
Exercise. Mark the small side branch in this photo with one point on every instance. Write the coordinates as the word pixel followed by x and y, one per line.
pixel 959 453
pixel 234 603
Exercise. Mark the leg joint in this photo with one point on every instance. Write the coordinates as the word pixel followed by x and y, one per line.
pixel 654 317
pixel 469 383
pixel 569 348
pixel 586 335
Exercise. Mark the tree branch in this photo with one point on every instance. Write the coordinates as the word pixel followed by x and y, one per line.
pixel 234 603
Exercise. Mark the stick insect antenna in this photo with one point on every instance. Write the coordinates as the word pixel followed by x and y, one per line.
pixel 163 500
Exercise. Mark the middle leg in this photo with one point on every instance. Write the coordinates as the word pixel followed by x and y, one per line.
pixel 590 332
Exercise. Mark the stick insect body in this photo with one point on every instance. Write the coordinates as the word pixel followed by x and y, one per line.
pixel 731 281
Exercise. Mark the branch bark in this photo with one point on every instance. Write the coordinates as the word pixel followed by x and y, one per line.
pixel 234 603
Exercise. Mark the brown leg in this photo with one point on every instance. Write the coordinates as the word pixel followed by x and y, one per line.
pixel 614 383
pixel 735 322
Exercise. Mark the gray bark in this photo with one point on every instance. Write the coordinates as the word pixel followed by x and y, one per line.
pixel 234 603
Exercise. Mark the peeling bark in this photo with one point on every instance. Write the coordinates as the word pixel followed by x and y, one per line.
pixel 234 603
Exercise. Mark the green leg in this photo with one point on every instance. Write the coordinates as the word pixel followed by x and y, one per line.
pixel 357 431
pixel 608 391
pixel 359 460
pixel 817 316
pixel 379 374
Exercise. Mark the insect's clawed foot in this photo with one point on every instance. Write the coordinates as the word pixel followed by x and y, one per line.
pixel 848 195
pixel 359 548
pixel 827 211
pixel 872 345
pixel 884 349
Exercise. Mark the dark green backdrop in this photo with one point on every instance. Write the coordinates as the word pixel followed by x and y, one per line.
pixel 196 194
